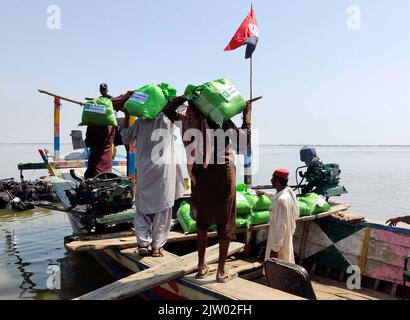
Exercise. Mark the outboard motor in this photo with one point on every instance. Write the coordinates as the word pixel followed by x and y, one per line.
pixel 320 178
pixel 104 195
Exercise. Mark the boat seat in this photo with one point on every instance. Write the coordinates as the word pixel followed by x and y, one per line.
pixel 289 277
pixel 77 139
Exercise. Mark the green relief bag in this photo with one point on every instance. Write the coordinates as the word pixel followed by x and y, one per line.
pixel 98 112
pixel 218 100
pixel 149 100
pixel 258 217
pixel 262 204
pixel 241 223
pixel 241 187
pixel 184 218
pixel 187 223
pixel 315 203
pixel 243 207
pixel 304 209
pixel 258 203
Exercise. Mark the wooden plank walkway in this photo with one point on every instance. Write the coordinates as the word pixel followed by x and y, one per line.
pixel 232 289
pixel 160 274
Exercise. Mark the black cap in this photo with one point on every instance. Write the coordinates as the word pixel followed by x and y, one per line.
pixel 103 86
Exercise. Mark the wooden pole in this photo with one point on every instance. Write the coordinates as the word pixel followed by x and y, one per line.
pixel 131 159
pixel 61 97
pixel 57 106
pixel 45 160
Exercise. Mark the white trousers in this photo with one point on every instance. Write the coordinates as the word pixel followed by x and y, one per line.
pixel 152 229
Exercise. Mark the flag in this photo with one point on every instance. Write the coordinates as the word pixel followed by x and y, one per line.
pixel 247 33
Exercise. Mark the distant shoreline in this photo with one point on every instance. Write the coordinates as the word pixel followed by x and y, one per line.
pixel 260 145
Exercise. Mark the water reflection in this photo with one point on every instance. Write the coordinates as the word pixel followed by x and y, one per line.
pixel 11 244
pixel 32 242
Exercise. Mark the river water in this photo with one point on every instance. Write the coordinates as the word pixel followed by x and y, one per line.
pixel 31 242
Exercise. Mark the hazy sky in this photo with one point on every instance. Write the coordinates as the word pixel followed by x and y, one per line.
pixel 321 82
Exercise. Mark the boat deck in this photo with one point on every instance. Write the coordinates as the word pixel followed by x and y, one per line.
pixel 327 289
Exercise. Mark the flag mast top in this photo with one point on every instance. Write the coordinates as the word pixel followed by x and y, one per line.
pixel 247 34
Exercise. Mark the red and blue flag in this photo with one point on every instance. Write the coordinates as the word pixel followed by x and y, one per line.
pixel 247 34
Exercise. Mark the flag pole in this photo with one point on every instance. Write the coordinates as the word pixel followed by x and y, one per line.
pixel 248 154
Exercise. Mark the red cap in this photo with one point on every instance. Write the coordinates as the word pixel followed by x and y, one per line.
pixel 282 173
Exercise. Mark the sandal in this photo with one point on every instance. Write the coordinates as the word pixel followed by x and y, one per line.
pixel 143 251
pixel 227 278
pixel 203 275
pixel 156 253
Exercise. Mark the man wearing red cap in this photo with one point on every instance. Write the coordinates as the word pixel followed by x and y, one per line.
pixel 283 214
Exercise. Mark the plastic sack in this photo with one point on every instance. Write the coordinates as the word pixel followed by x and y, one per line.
pixel 258 217
pixel 243 207
pixel 304 209
pixel 241 223
pixel 258 203
pixel 241 187
pixel 315 203
pixel 149 100
pixel 218 100
pixel 185 220
pixel 98 112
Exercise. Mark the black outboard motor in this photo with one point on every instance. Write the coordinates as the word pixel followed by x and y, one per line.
pixel 321 178
pixel 104 196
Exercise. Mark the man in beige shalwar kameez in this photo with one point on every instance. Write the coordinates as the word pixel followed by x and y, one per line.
pixel 282 222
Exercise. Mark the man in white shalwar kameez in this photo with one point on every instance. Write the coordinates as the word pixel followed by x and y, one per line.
pixel 283 214
pixel 159 180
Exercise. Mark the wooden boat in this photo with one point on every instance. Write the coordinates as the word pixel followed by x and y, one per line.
pixel 324 244
pixel 328 245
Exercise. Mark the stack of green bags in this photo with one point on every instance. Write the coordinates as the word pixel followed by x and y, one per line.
pixel 255 209
pixel 189 225
pixel 311 204
pixel 252 209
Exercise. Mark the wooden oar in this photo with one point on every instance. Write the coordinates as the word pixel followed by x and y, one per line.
pixel 155 276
